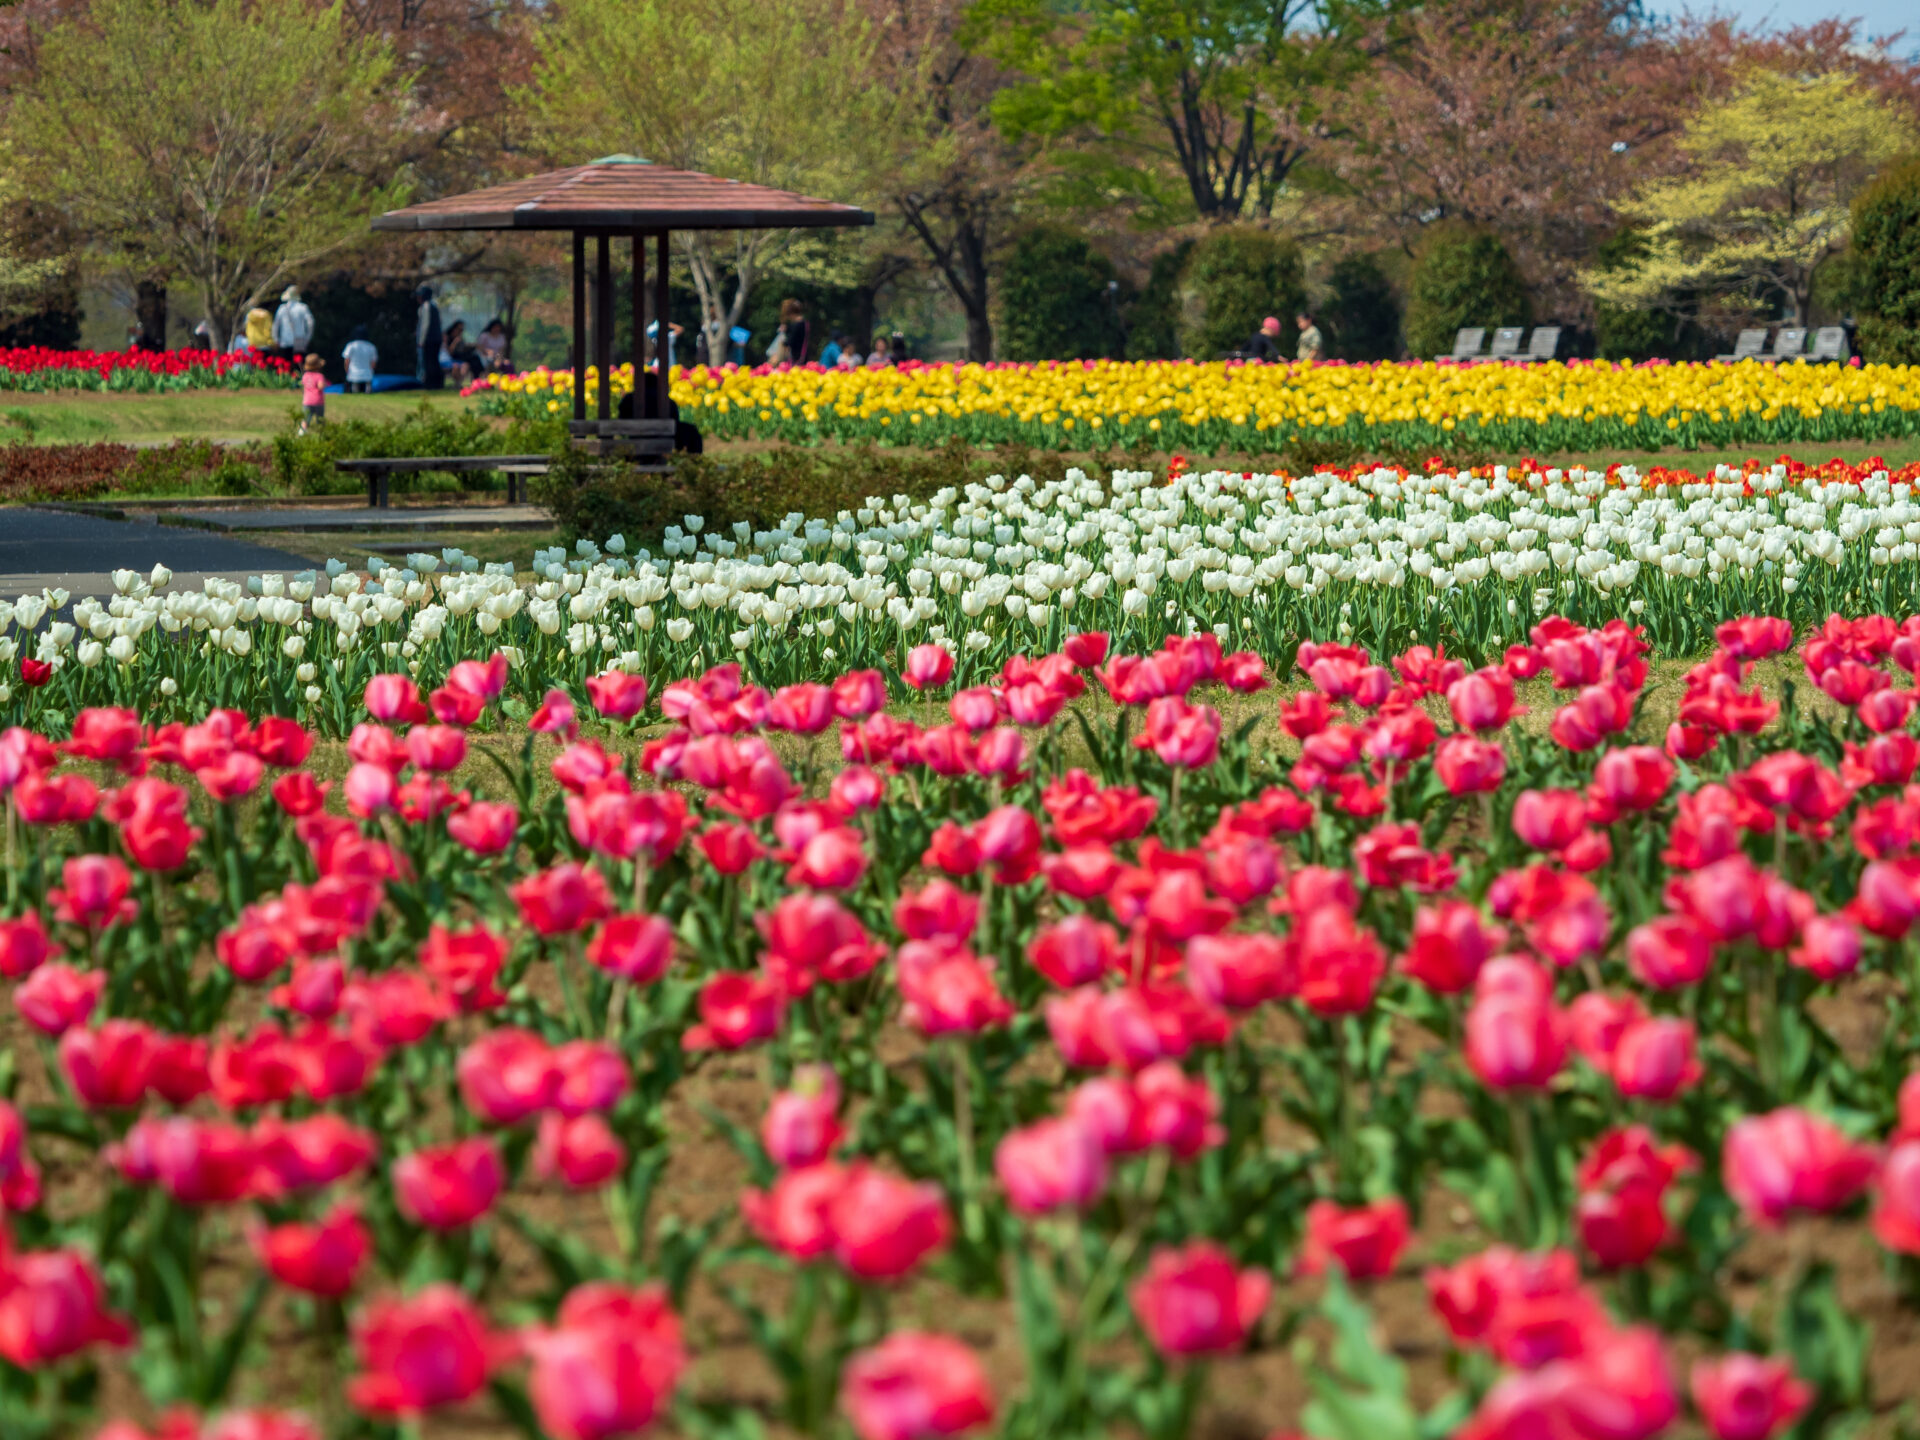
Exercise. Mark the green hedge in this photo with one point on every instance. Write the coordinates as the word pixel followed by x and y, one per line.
pixel 1238 277
pixel 1886 238
pixel 303 464
pixel 1054 300
pixel 1462 277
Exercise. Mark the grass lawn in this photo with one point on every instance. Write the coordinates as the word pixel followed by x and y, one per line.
pixel 256 416
pixel 250 416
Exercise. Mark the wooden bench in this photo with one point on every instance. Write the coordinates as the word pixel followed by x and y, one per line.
pixel 377 468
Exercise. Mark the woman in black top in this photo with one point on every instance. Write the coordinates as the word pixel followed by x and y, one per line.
pixel 793 315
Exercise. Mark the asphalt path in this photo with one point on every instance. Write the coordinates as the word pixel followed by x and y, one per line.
pixel 42 549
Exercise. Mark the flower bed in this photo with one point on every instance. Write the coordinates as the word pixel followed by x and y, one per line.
pixel 1469 560
pixel 1406 408
pixel 1054 1092
pixel 37 368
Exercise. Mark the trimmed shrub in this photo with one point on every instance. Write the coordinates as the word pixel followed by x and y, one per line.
pixel 1361 314
pixel 1886 238
pixel 1153 328
pixel 1054 300
pixel 1238 276
pixel 1462 277
pixel 303 464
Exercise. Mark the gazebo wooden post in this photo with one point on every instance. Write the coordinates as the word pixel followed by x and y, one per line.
pixel 638 297
pixel 579 327
pixel 603 321
pixel 663 347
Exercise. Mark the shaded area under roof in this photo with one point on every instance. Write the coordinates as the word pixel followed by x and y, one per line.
pixel 621 193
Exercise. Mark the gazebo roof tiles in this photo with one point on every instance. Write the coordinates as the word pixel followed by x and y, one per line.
pixel 622 193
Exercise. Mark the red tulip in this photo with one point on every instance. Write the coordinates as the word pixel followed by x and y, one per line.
pixel 1086 649
pixel 1051 1165
pixel 56 997
pixel 975 709
pixel 24 946
pixel 446 1187
pixel 805 709
pixel 1239 972
pixel 1170 1110
pixel 1192 1301
pixel 1669 952
pixel 1467 766
pixel 400 1007
pixel 810 939
pixel 1483 700
pixel 1182 735
pixel 636 947
pixel 320 1259
pixel 1364 1240
pixel 1790 1160
pixel 832 860
pixel 564 899
pixel 883 1226
pixel 298 793
pixel 1745 1397
pixel 794 1214
pixel 108 1065
pixel 589 1075
pixel 251 1425
pixel 1829 947
pixel 105 734
pixel 431 1349
pixel 1450 943
pixel 436 748
pixel 507 1075
pixel 52 1306
pixel 46 799
pixel 858 694
pixel 618 695
pixel 927 665
pixel 608 1366
pixel 555 716
pixel 394 697
pixel 1340 963
pixel 939 908
pixel 94 893
pixel 1896 1214
pixel 295 1155
pixel 1655 1059
pixel 730 849
pixel 1549 819
pixel 802 1123
pixel 915 1386
pixel 582 1152
pixel 735 1011
pixel 947 990
pixel 1515 1035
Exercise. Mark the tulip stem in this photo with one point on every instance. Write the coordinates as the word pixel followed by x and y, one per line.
pixel 963 1125
pixel 1525 1164
pixel 568 990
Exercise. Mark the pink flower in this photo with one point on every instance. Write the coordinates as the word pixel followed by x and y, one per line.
pixel 1364 1240
pixel 1790 1160
pixel 928 665
pixel 802 1123
pixel 1051 1165
pixel 1192 1301
pixel 609 1364
pixel 1745 1397
pixel 915 1386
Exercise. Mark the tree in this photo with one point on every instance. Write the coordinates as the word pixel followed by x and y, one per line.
pixel 20 277
pixel 958 181
pixel 1238 277
pixel 1886 242
pixel 1224 94
pixel 776 92
pixel 1054 298
pixel 1529 117
pixel 1463 276
pixel 1762 201
pixel 228 142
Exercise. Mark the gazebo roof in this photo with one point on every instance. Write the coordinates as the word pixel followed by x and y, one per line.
pixel 622 192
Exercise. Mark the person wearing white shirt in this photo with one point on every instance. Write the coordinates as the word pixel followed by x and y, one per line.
pixel 361 357
pixel 292 324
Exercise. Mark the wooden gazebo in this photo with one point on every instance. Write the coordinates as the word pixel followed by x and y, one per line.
pixel 622 196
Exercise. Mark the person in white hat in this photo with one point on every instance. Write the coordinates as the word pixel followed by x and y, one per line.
pixel 292 325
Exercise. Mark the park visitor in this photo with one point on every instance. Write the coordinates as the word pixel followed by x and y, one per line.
pixel 1312 347
pixel 674 332
pixel 426 341
pixel 462 358
pixel 361 357
pixel 880 358
pixel 793 320
pixel 313 392
pixel 1265 344
pixel 492 346
pixel 830 355
pixel 897 350
pixel 256 337
pixel 292 325
pixel 778 353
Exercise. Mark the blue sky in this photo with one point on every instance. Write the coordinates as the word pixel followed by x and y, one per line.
pixel 1882 17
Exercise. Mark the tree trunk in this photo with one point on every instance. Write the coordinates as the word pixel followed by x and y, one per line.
pixel 979 337
pixel 150 309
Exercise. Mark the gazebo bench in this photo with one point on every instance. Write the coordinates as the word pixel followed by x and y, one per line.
pixel 378 467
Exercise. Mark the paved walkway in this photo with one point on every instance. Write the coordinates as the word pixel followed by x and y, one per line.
pixel 79 553
pixel 366 518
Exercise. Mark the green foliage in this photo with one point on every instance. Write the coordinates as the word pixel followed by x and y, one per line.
pixel 303 464
pixel 1463 277
pixel 1153 326
pixel 1054 300
pixel 230 143
pixel 1630 332
pixel 1361 314
pixel 1238 277
pixel 592 500
pixel 1886 238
